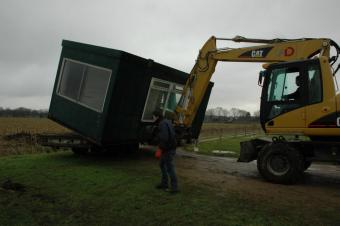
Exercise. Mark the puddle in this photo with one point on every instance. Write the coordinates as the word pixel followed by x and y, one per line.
pixel 11 186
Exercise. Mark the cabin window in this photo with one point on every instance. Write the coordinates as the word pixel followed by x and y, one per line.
pixel 284 82
pixel 163 95
pixel 284 90
pixel 314 84
pixel 84 83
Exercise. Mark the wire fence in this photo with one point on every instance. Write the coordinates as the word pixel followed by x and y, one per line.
pixel 210 133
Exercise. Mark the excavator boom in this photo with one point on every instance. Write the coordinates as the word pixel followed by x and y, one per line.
pixel 275 50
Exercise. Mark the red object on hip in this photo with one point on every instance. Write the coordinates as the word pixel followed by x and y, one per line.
pixel 158 153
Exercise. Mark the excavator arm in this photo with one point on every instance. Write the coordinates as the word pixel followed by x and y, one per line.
pixel 269 51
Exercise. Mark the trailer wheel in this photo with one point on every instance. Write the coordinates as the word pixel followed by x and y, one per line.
pixel 280 163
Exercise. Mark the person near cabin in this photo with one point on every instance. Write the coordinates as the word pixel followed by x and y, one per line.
pixel 296 94
pixel 167 144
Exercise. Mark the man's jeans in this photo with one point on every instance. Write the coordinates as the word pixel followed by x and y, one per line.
pixel 168 169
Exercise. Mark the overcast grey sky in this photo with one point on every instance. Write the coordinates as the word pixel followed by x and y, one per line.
pixel 170 32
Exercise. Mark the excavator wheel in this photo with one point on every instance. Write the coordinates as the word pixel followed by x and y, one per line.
pixel 278 162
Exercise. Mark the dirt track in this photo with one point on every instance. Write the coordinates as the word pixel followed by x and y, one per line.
pixel 320 187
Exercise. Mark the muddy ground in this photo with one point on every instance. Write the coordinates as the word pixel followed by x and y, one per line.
pixel 319 188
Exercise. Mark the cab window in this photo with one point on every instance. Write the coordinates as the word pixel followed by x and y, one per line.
pixel 284 90
pixel 283 83
pixel 314 84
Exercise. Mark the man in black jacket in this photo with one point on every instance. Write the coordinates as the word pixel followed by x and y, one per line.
pixel 167 143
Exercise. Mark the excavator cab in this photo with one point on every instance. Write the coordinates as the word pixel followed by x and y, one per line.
pixel 290 90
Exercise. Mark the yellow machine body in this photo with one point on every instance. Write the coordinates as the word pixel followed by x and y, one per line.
pixel 311 119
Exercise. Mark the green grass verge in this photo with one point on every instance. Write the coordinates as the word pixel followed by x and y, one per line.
pixel 231 144
pixel 64 189
pixel 228 143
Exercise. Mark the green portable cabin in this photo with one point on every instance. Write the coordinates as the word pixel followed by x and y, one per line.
pixel 108 95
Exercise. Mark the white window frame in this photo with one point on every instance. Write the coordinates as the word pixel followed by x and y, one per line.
pixel 172 88
pixel 81 84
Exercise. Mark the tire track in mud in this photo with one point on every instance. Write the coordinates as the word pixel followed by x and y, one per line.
pixel 319 188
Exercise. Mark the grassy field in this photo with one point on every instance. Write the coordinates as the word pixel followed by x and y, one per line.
pixel 43 125
pixel 59 188
pixel 230 145
pixel 229 135
pixel 210 130
pixel 63 189
pixel 30 125
pixel 225 137
pixel 18 135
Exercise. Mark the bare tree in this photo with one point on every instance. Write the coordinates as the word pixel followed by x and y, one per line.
pixel 234 113
pixel 257 114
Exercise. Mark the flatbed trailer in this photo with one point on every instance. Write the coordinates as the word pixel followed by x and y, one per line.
pixel 65 140
pixel 77 143
pixel 80 144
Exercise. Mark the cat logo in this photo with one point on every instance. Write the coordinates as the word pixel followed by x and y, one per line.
pixel 338 121
pixel 257 53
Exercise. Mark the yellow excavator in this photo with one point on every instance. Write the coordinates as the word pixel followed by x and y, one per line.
pixel 300 98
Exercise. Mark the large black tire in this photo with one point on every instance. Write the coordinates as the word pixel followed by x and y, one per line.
pixel 280 163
